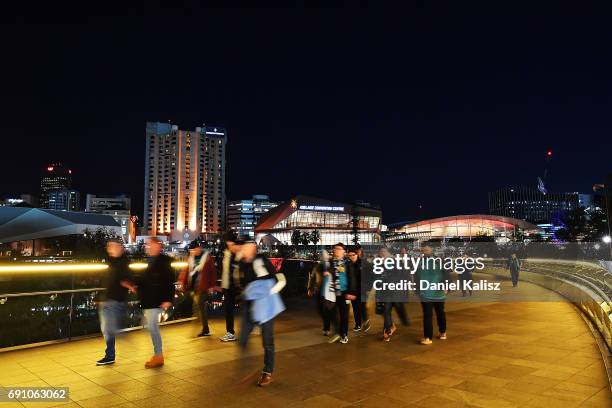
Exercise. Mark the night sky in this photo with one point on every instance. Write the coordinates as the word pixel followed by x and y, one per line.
pixel 430 106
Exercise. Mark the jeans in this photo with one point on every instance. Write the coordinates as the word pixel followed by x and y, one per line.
pixel 151 323
pixel 111 314
pixel 360 312
pixel 267 337
pixel 428 308
pixel 229 301
pixel 401 312
pixel 200 302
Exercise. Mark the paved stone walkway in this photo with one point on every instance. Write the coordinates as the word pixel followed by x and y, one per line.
pixel 537 354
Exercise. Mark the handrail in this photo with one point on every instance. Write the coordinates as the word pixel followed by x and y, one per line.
pixel 50 292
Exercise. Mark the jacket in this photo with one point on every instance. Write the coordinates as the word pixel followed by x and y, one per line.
pixel 266 305
pixel 206 270
pixel 229 269
pixel 431 273
pixel 156 284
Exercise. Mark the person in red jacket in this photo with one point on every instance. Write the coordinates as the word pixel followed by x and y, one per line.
pixel 200 278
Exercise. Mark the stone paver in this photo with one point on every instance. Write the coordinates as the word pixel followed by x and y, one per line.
pixel 537 354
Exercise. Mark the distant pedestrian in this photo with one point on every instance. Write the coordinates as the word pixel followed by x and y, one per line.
pixel 262 302
pixel 200 278
pixel 431 272
pixel 156 290
pixel 113 300
pixel 514 265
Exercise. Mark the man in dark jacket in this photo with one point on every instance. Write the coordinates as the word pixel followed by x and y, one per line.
pixel 113 299
pixel 360 312
pixel 156 290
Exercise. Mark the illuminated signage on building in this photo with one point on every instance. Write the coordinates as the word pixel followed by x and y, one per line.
pixel 320 208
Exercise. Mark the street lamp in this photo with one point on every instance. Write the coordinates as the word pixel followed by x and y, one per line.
pixel 607 239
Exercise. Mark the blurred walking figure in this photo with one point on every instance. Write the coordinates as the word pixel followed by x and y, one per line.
pixel 392 299
pixel 230 282
pixel 113 299
pixel 156 290
pixel 514 264
pixel 360 312
pixel 336 282
pixel 200 278
pixel 262 303
pixel 431 272
pixel 315 288
pixel 465 279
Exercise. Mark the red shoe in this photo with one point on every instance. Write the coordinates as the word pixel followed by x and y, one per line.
pixel 155 361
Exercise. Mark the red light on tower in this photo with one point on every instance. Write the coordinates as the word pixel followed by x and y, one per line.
pixel 50 168
pixel 549 153
pixel 69 171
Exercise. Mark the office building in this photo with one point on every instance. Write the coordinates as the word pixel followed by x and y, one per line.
pixel 532 205
pixel 118 207
pixel 55 177
pixel 64 200
pixel 335 222
pixel 243 215
pixel 184 181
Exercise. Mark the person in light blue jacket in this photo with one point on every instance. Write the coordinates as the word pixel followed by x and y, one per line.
pixel 262 302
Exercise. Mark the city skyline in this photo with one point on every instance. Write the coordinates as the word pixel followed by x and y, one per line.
pixel 408 112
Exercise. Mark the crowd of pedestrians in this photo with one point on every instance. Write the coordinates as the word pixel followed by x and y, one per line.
pixel 341 283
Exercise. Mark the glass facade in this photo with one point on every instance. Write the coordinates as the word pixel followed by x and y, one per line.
pixel 335 222
pixel 242 215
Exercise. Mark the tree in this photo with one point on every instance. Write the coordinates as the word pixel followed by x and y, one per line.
pixel 315 237
pixel 296 238
pixel 92 244
pixel 575 226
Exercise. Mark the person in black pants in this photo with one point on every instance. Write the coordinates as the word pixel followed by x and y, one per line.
pixel 230 283
pixel 262 282
pixel 360 312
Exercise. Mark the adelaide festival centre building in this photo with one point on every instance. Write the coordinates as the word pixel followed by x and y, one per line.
pixel 336 222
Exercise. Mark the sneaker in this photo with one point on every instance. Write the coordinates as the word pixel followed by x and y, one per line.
pixel 357 328
pixel 442 336
pixel 344 340
pixel 105 361
pixel 334 338
pixel 228 337
pixel 204 334
pixel 366 326
pixel 386 336
pixel 425 341
pixel 326 333
pixel 393 329
pixel 265 379
pixel 155 361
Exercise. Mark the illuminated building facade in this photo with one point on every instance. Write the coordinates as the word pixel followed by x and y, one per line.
pixel 461 226
pixel 243 215
pixel 55 177
pixel 64 200
pixel 532 205
pixel 336 222
pixel 184 181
